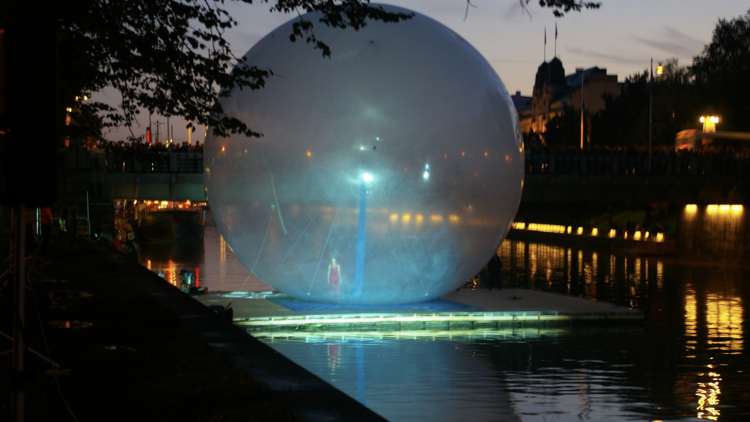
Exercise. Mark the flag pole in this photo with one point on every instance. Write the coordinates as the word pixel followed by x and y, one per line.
pixel 555 39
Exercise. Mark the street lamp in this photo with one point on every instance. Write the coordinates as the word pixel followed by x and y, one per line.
pixel 709 123
pixel 659 71
pixel 709 126
pixel 650 111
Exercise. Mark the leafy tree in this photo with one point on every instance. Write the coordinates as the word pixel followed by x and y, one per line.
pixel 171 57
pixel 560 7
pixel 564 130
pixel 721 72
pixel 532 139
pixel 624 119
pixel 675 106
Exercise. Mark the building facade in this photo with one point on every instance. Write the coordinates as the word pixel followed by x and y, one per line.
pixel 554 91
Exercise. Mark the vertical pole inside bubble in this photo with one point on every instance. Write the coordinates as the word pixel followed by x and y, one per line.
pixel 359 274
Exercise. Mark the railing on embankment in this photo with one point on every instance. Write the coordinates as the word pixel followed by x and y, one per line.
pixel 558 178
pixel 563 164
pixel 152 162
pixel 638 164
pixel 136 175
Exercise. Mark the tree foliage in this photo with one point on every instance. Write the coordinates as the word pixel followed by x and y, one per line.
pixel 564 130
pixel 722 72
pixel 624 119
pixel 560 7
pixel 171 57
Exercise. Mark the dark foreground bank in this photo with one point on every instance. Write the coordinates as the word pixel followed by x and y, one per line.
pixel 132 347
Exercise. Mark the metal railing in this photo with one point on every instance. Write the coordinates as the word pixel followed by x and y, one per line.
pixel 619 165
pixel 136 162
pixel 637 165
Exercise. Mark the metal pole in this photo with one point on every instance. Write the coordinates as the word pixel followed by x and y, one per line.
pixel 650 113
pixel 361 242
pixel 88 214
pixel 18 317
pixel 582 109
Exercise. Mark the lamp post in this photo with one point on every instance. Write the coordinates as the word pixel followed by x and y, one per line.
pixel 650 112
pixel 659 71
pixel 359 272
pixel 709 123
pixel 709 126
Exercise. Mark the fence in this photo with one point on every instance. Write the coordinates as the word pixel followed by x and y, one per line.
pixel 637 165
pixel 620 165
pixel 134 162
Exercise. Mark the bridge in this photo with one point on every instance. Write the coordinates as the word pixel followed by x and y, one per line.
pixel 606 178
pixel 550 178
pixel 131 175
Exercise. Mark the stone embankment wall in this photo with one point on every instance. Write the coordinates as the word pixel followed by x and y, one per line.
pixel 713 233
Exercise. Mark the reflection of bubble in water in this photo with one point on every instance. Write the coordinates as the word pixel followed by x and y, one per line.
pixel 400 155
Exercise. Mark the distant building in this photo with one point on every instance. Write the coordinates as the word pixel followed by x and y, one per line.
pixel 523 108
pixel 553 91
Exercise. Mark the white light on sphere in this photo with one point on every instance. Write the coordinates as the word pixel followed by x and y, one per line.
pixel 335 202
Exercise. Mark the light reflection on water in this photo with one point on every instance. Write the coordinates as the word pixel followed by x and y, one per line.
pixel 480 375
pixel 216 266
pixel 686 362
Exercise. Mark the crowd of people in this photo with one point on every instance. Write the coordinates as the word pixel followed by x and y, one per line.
pixel 129 156
pixel 142 147
pixel 635 160
pixel 536 148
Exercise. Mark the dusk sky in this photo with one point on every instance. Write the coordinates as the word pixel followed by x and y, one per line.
pixel 622 36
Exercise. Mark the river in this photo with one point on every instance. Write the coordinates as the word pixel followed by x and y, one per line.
pixel 686 362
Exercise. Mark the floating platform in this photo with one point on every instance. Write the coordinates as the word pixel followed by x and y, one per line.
pixel 459 310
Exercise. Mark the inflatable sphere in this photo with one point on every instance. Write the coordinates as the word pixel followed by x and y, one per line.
pixel 388 173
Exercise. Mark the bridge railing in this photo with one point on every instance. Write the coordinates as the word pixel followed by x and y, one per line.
pixel 617 165
pixel 637 165
pixel 133 162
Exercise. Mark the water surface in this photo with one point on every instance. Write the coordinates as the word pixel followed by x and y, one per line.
pixel 686 362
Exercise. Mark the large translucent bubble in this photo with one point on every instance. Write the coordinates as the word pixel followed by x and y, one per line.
pixel 389 173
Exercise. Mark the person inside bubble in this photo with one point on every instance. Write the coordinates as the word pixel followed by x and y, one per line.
pixel 334 278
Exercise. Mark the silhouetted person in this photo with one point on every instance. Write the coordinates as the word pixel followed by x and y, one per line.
pixel 46 222
pixel 69 217
pixel 494 267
